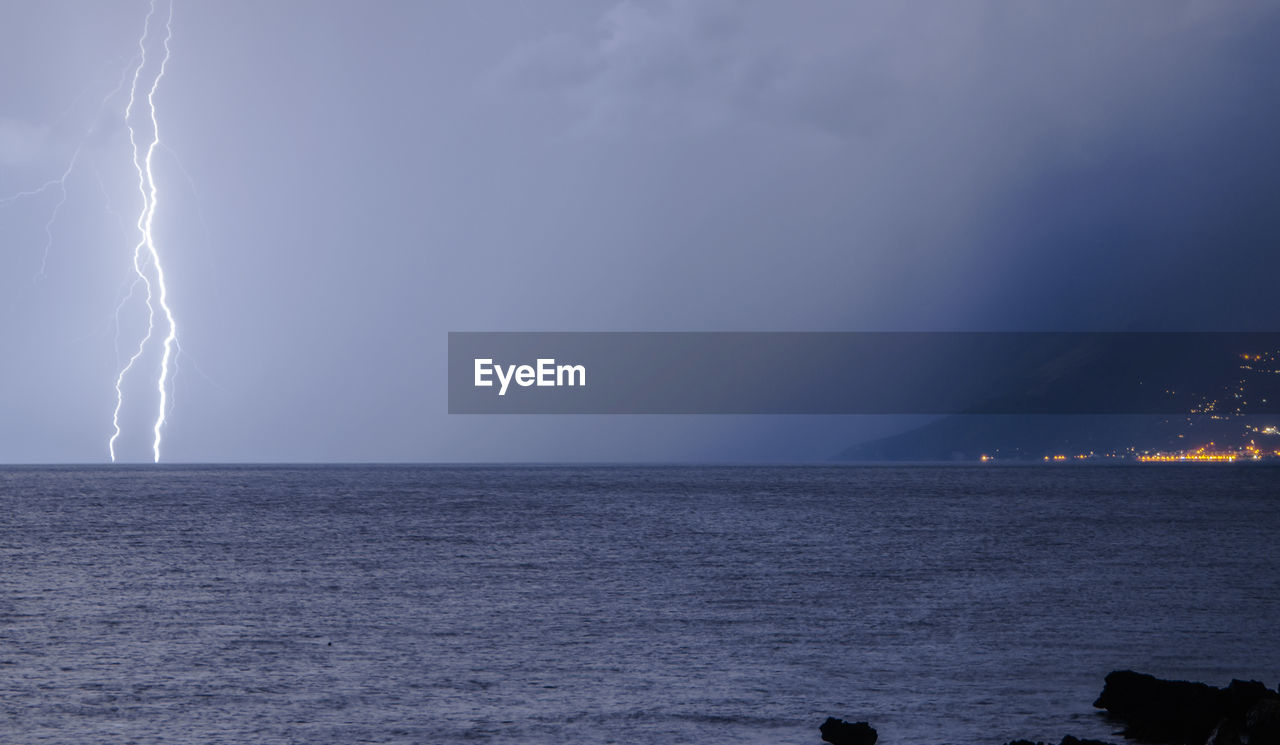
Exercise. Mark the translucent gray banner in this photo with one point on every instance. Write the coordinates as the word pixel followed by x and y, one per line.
pixel 1217 374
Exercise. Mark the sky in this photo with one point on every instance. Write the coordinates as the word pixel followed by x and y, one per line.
pixel 341 184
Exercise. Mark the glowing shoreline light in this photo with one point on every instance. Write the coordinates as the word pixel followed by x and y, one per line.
pixel 1207 407
pixel 1188 457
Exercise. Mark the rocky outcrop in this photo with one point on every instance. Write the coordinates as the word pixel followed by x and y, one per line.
pixel 840 732
pixel 1179 712
pixel 1166 712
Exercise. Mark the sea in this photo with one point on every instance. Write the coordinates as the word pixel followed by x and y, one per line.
pixel 620 604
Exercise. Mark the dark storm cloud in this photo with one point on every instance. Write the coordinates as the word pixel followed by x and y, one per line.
pixel 972 145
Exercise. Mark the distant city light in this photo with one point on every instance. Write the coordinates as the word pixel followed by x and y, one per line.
pixel 1209 407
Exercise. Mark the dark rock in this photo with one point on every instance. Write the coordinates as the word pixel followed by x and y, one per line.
pixel 1226 733
pixel 1262 722
pixel 840 732
pixel 1165 711
pixel 1183 713
pixel 1240 696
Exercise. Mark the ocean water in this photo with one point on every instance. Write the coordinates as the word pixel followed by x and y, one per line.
pixel 619 604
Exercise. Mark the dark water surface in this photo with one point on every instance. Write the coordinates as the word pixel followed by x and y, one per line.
pixel 619 604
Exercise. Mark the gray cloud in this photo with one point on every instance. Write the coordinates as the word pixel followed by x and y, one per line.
pixel 20 142
pixel 835 65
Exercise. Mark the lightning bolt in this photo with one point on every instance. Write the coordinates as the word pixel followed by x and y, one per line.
pixel 147 269
pixel 146 257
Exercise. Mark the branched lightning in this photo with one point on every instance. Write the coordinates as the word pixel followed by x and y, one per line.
pixel 60 183
pixel 146 257
pixel 161 336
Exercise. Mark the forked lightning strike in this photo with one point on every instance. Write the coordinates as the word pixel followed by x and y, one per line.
pixel 146 257
pixel 147 267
